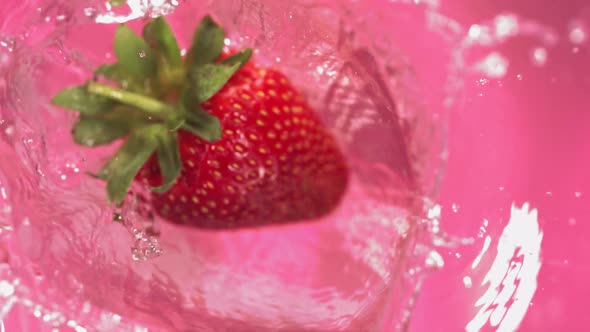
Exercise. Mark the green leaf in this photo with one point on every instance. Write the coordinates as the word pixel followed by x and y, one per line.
pixel 206 80
pixel 104 128
pixel 79 99
pixel 240 57
pixel 207 43
pixel 134 54
pixel 161 39
pixel 128 160
pixel 175 121
pixel 91 132
pixel 149 105
pixel 202 124
pixel 116 73
pixel 110 71
pixel 169 160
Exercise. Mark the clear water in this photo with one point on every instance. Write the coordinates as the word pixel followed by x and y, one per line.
pixel 347 267
pixel 362 268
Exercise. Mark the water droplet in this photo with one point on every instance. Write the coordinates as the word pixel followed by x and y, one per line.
pixel 434 260
pixel 539 56
pixel 474 31
pixel 9 130
pixel 142 54
pixel 90 12
pixel 455 207
pixel 571 221
pixel 577 32
pixel 434 212
pixel 578 194
pixel 467 282
pixel 506 26
pixel 483 228
pixel 145 247
pixel 495 65
pixel 86 307
pixel 8 43
pixel 6 288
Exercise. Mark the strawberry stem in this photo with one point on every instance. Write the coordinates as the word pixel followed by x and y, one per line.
pixel 147 104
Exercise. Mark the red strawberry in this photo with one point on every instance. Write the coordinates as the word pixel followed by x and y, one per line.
pixel 274 162
pixel 255 153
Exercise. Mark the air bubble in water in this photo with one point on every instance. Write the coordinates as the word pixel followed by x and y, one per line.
pixel 577 32
pixel 483 228
pixel 506 26
pixel 474 31
pixel 483 81
pixel 7 43
pixel 6 288
pixel 145 247
pixel 467 282
pixel 90 12
pixel 495 65
pixel 145 243
pixel 434 260
pixel 434 212
pixel 539 56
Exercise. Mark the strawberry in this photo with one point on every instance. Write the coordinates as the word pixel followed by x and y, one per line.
pixel 222 142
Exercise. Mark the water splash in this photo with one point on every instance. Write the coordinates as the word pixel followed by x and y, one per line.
pixel 145 239
pixel 512 277
pixel 186 281
pixel 135 9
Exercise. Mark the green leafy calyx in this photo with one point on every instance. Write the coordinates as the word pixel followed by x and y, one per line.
pixel 149 94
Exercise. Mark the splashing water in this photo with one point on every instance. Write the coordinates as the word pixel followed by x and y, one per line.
pixel 361 269
pixel 513 275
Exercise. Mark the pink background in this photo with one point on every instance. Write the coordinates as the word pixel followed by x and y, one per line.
pixel 531 137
